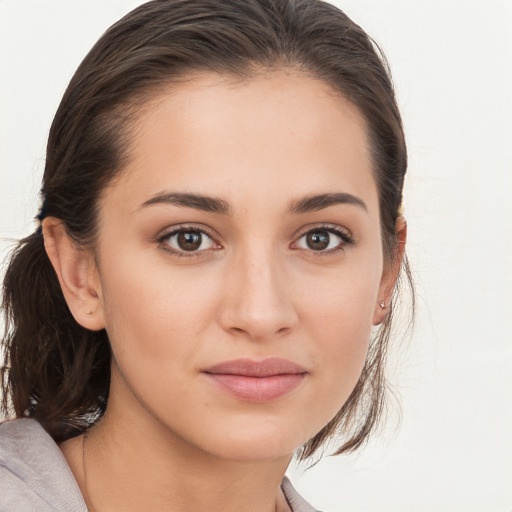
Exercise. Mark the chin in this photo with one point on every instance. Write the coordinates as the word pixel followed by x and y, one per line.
pixel 255 439
pixel 258 448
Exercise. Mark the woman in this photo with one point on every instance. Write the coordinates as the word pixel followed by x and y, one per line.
pixel 220 231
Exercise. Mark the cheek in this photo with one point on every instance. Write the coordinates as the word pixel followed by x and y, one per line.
pixel 343 301
pixel 339 319
pixel 150 306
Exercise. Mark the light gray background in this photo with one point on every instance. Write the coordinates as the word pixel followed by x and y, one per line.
pixel 452 65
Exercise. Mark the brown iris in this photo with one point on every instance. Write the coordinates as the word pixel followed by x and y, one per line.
pixel 318 240
pixel 189 240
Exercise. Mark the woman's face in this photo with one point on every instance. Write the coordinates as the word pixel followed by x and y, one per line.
pixel 240 263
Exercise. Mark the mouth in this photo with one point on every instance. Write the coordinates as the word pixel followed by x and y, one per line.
pixel 257 381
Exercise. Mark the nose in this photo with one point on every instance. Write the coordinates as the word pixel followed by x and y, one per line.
pixel 258 300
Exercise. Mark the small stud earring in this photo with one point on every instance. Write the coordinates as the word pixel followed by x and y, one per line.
pixel 382 305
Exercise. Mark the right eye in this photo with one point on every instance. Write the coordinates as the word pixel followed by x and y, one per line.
pixel 187 241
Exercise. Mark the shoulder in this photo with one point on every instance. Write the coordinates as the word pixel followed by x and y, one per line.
pixel 33 472
pixel 295 500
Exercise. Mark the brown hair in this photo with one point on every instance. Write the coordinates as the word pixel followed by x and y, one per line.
pixel 58 372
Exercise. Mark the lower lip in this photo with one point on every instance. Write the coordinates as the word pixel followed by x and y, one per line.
pixel 257 389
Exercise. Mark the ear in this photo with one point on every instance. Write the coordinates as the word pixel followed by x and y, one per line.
pixel 390 274
pixel 77 273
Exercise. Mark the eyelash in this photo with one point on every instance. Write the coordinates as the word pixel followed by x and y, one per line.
pixel 346 240
pixel 345 236
pixel 184 229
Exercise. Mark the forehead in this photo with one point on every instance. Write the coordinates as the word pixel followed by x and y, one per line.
pixel 277 133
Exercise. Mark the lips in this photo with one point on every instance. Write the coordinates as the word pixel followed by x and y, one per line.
pixel 257 381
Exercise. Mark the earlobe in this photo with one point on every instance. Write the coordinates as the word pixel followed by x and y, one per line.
pixel 390 274
pixel 77 274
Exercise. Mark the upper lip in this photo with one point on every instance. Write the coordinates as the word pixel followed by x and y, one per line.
pixel 250 368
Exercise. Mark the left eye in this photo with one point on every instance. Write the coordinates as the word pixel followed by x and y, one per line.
pixel 320 240
pixel 188 240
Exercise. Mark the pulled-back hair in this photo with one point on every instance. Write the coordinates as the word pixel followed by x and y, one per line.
pixel 59 372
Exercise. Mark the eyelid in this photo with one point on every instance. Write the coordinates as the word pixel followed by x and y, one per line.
pixel 325 226
pixel 343 233
pixel 174 230
pixel 191 226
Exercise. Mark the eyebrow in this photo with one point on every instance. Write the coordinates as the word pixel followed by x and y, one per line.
pixel 220 206
pixel 321 201
pixel 197 201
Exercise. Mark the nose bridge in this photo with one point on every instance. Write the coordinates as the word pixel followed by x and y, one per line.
pixel 259 302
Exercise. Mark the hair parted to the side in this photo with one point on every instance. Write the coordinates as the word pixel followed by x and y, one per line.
pixel 57 371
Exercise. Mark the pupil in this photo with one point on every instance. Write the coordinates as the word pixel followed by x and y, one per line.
pixel 189 240
pixel 318 240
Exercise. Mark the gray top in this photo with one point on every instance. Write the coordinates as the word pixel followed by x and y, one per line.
pixel 34 475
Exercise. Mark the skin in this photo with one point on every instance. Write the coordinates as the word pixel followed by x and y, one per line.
pixel 255 289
